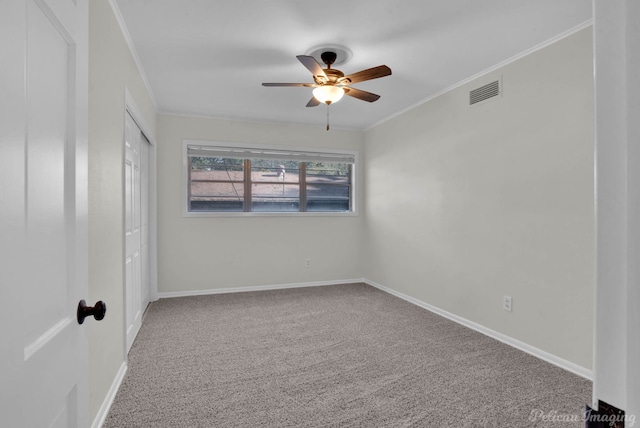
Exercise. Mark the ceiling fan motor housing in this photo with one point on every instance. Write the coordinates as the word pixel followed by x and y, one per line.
pixel 328 58
pixel 333 77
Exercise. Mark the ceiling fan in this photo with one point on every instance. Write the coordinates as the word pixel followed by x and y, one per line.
pixel 331 84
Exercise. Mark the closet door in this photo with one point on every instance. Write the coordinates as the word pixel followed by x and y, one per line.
pixel 136 228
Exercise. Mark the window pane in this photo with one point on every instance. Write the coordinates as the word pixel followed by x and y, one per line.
pixel 216 184
pixel 328 197
pixel 275 185
pixel 230 169
pixel 216 205
pixel 204 191
pixel 275 197
pixel 325 172
pixel 328 186
pixel 275 171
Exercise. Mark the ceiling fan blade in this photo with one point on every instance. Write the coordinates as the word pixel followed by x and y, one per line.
pixel 368 74
pixel 308 85
pixel 361 95
pixel 313 102
pixel 312 65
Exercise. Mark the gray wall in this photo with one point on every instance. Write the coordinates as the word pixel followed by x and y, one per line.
pixel 465 204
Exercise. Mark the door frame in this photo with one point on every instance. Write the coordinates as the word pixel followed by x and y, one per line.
pixel 131 108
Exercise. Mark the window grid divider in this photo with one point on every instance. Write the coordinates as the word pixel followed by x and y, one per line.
pixel 246 165
pixel 302 185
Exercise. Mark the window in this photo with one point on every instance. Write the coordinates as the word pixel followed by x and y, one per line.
pixel 229 178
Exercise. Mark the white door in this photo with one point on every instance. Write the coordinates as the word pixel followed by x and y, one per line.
pixel 136 227
pixel 43 213
pixel 145 163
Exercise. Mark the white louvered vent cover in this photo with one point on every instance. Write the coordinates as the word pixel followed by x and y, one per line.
pixel 485 92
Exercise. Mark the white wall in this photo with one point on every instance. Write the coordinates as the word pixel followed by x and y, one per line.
pixel 466 204
pixel 196 254
pixel 111 70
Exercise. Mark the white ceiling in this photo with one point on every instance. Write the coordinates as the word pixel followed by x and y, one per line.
pixel 209 57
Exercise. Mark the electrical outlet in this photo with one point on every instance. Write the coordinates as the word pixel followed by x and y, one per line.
pixel 308 263
pixel 506 303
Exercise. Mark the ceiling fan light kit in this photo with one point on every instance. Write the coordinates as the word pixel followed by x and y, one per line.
pixel 330 84
pixel 328 94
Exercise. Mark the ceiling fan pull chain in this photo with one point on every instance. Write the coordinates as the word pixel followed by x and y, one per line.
pixel 328 117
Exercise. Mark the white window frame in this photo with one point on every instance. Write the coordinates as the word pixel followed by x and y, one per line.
pixel 266 148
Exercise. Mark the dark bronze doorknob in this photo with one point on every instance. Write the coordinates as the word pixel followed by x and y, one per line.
pixel 97 311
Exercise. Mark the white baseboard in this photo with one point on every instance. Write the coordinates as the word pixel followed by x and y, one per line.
pixel 536 352
pixel 169 294
pixel 111 395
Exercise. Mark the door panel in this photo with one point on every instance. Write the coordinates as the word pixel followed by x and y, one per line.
pixel 134 255
pixel 43 194
pixel 48 118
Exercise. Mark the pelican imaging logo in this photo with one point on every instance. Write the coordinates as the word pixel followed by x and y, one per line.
pixel 539 415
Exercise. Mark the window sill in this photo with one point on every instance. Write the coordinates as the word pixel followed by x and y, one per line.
pixel 207 214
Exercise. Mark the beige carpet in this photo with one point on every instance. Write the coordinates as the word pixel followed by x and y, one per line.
pixel 344 355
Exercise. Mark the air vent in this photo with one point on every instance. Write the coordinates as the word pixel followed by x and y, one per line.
pixel 485 92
